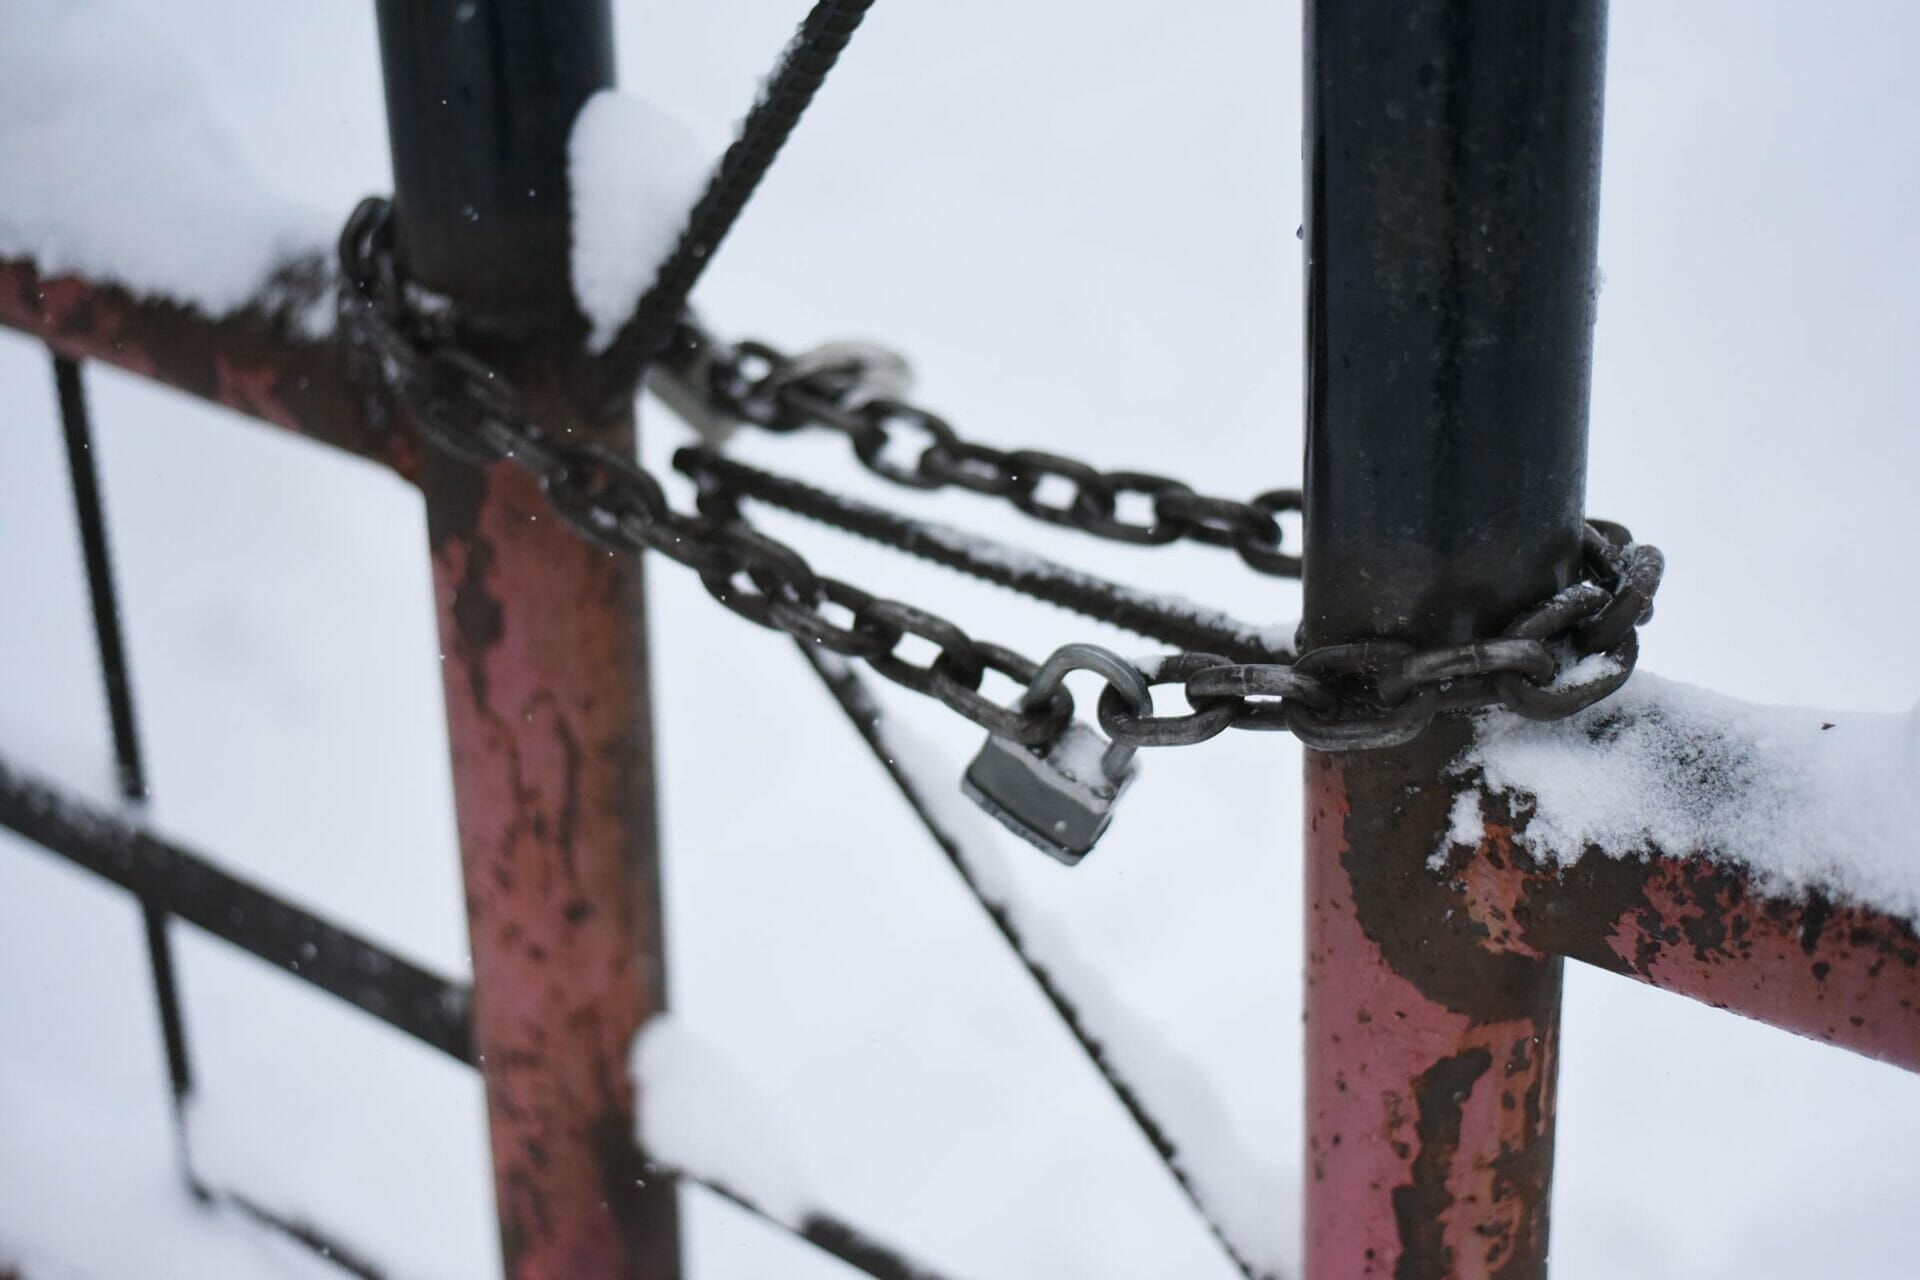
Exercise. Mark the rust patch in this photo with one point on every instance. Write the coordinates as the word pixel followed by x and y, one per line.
pixel 547 717
pixel 1399 809
pixel 644 1208
pixel 254 359
pixel 1430 1105
pixel 252 389
pixel 1523 1171
pixel 1839 973
pixel 1419 1207
pixel 478 617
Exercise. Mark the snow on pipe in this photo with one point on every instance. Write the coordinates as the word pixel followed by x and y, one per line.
pixel 105 121
pixel 636 172
pixel 705 1124
pixel 257 359
pixel 1752 858
pixel 1762 859
pixel 1801 800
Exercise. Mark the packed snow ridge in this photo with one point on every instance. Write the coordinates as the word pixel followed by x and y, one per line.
pixel 699 1113
pixel 636 174
pixel 126 177
pixel 1803 799
pixel 119 172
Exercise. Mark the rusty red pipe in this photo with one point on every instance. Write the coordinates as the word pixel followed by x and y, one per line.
pixel 1431 1063
pixel 257 360
pixel 543 638
pixel 544 669
pixel 1845 974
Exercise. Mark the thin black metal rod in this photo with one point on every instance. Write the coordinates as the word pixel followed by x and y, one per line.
pixel 431 1009
pixel 424 1005
pixel 1178 623
pixel 77 428
pixel 850 693
pixel 173 1025
pixel 304 1234
pixel 803 68
pixel 90 515
pixel 825 1232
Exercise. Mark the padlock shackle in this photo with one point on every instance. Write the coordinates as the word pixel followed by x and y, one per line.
pixel 878 373
pixel 1111 667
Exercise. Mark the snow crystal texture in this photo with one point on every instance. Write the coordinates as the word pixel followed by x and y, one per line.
pixel 1802 798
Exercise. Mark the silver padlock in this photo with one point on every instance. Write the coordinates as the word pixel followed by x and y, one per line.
pixel 1059 796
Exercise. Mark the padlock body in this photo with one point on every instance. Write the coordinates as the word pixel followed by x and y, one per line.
pixel 1058 799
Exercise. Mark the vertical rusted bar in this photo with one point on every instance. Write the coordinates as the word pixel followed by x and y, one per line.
pixel 543 645
pixel 89 508
pixel 1430 1060
pixel 1453 164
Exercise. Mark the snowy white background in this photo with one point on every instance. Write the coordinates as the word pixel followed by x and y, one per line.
pixel 1079 221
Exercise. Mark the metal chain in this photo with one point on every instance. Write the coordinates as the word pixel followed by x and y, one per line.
pixel 1552 660
pixel 855 389
pixel 1169 621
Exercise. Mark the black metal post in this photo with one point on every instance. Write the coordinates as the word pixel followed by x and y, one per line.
pixel 543 643
pixel 1453 153
pixel 481 97
pixel 90 513
pixel 1453 170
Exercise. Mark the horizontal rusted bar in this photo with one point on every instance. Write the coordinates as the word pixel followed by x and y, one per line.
pixel 424 1005
pixel 265 360
pixel 1698 925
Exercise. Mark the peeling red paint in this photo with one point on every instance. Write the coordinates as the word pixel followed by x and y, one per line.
pixel 1843 974
pixel 547 713
pixel 1429 1101
pixel 1432 1003
pixel 252 389
pixel 91 323
pixel 254 360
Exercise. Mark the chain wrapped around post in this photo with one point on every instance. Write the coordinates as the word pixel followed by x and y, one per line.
pixel 1553 660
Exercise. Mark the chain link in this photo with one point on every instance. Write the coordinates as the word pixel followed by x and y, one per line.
pixel 1553 660
pixel 831 387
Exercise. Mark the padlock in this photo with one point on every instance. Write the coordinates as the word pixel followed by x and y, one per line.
pixel 1059 796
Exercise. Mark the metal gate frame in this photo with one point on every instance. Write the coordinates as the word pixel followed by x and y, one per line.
pixel 1453 152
